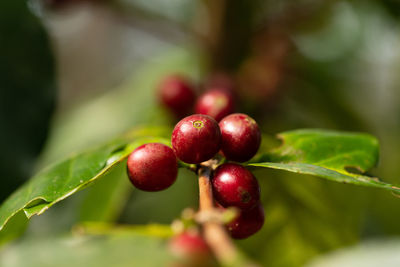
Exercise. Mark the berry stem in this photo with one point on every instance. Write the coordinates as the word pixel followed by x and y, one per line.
pixel 215 233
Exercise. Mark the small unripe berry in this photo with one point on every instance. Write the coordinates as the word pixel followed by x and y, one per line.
pixel 177 94
pixel 216 103
pixel 241 137
pixel 152 167
pixel 196 138
pixel 247 223
pixel 191 248
pixel 234 185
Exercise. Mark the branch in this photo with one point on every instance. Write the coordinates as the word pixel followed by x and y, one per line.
pixel 214 232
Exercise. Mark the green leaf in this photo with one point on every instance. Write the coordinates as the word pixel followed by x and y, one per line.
pixel 15 227
pixel 27 92
pixel 67 177
pixel 336 156
pixel 100 228
pixel 116 248
pixel 105 200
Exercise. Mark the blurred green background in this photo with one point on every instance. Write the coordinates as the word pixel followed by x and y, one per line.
pixel 77 73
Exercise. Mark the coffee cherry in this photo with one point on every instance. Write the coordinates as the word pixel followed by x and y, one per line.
pixel 196 138
pixel 247 223
pixel 216 103
pixel 191 248
pixel 152 167
pixel 234 185
pixel 177 94
pixel 241 137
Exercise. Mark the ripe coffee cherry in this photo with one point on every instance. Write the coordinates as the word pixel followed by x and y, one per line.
pixel 247 223
pixel 177 94
pixel 190 247
pixel 216 103
pixel 196 138
pixel 241 137
pixel 234 185
pixel 152 167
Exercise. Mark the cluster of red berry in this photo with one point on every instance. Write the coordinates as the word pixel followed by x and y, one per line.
pixel 198 138
pixel 178 94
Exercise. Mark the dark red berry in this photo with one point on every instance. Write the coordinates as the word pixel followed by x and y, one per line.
pixel 177 94
pixel 196 138
pixel 152 167
pixel 241 137
pixel 216 103
pixel 234 185
pixel 190 247
pixel 247 223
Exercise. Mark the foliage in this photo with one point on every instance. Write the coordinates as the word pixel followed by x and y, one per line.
pixel 27 92
pixel 336 156
pixel 305 217
pixel 325 154
pixel 100 247
pixel 63 179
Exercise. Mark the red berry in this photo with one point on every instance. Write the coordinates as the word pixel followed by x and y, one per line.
pixel 152 167
pixel 247 223
pixel 191 247
pixel 196 138
pixel 216 103
pixel 234 185
pixel 177 94
pixel 241 137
